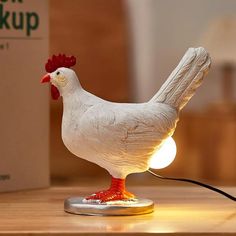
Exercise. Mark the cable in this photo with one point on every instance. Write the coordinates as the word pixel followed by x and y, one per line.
pixel 195 182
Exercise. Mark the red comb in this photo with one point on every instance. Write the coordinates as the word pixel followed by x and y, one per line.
pixel 59 61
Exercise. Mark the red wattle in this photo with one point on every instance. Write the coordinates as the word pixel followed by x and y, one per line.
pixel 54 92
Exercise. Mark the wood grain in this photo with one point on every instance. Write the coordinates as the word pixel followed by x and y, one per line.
pixel 178 211
pixel 206 148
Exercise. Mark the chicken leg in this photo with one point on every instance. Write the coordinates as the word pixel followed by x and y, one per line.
pixel 116 192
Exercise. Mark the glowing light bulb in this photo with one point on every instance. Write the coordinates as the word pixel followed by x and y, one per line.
pixel 165 155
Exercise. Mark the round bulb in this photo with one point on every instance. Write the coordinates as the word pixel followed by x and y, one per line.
pixel 165 155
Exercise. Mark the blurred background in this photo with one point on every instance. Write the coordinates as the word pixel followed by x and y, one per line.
pixel 126 49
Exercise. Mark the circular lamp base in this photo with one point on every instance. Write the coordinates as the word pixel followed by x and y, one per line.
pixel 75 205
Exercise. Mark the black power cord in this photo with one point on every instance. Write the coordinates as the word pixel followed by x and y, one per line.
pixel 195 182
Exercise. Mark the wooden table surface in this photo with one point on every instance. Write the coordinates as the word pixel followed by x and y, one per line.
pixel 178 211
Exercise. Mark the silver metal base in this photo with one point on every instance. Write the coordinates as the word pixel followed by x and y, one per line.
pixel 75 205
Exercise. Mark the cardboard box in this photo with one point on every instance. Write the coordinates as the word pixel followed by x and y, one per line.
pixel 24 102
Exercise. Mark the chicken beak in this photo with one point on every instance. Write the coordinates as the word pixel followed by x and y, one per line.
pixel 46 78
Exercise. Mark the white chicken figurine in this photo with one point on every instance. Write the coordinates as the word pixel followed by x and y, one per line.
pixel 121 137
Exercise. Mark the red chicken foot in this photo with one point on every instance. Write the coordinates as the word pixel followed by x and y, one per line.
pixel 116 192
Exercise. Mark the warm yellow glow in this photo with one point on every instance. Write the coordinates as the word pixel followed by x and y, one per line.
pixel 165 155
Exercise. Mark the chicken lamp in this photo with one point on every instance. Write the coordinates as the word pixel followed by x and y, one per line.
pixel 122 138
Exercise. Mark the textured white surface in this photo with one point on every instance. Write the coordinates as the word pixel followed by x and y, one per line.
pixel 121 137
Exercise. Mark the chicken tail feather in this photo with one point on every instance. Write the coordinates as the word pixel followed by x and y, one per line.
pixel 185 79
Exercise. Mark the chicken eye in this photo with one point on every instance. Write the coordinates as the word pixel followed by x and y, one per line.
pixel 58 73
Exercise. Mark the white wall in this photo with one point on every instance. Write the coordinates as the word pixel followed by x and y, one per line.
pixel 162 30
